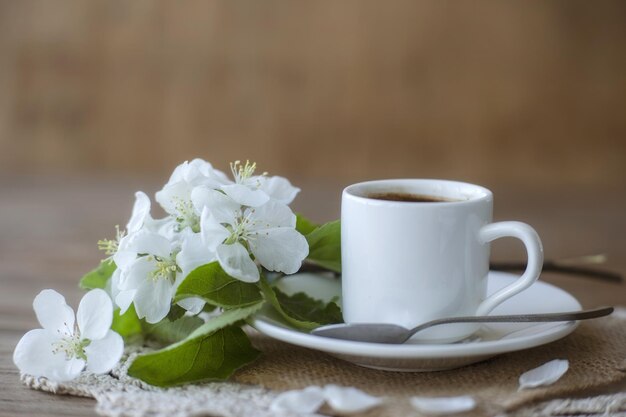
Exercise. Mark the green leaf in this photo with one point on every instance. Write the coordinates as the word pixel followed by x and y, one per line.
pixel 300 310
pixel 208 308
pixel 212 352
pixel 169 331
pixel 325 246
pixel 304 225
pixel 216 287
pixel 175 312
pixel 304 308
pixel 226 319
pixel 127 324
pixel 98 277
pixel 212 357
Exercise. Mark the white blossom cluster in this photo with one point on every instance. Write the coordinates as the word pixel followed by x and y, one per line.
pixel 243 223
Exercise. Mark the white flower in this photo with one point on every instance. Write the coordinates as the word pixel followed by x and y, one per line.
pixel 62 349
pixel 175 197
pixel 268 232
pixel 255 190
pixel 156 255
pixel 146 280
pixel 150 269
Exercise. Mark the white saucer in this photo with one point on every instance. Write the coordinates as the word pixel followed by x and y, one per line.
pixel 491 340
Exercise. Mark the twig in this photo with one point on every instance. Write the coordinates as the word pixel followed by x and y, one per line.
pixel 552 266
pixel 548 266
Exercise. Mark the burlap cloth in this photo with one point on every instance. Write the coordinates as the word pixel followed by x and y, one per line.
pixel 596 352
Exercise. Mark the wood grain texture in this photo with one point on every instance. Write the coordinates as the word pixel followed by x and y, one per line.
pixel 49 228
pixel 529 92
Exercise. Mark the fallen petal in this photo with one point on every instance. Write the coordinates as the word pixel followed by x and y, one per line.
pixel 308 400
pixel 546 374
pixel 347 400
pixel 443 405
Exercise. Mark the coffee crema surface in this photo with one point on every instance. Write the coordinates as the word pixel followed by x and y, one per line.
pixel 410 198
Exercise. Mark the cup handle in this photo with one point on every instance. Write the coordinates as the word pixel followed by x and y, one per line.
pixel 534 249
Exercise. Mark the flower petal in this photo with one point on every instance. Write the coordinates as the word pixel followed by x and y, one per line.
pixel 270 215
pixel 201 172
pixel 33 353
pixel 68 369
pixel 308 400
pixel 178 174
pixel 193 253
pixel 166 227
pixel 94 315
pixel 219 178
pixel 141 212
pixel 123 259
pixel 197 172
pixel 281 249
pixel 235 260
pixel 146 242
pixel 546 374
pixel 124 299
pixel 223 208
pixel 125 256
pixel 103 354
pixel 172 194
pixel 193 305
pixel 136 274
pixel 443 405
pixel 348 400
pixel 114 283
pixel 34 356
pixel 153 300
pixel 53 313
pixel 279 189
pixel 212 232
pixel 244 195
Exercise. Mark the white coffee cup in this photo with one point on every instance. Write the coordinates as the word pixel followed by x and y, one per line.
pixel 410 262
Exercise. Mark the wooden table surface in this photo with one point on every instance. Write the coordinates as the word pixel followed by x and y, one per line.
pixel 49 229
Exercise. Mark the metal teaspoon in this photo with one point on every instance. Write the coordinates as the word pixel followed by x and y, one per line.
pixel 394 334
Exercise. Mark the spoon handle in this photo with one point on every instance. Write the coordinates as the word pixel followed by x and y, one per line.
pixel 519 318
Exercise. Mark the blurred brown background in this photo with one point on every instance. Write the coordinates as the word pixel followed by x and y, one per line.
pixel 100 98
pixel 515 92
